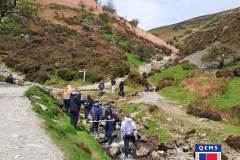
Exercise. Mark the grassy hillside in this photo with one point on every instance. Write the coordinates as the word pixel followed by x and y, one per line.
pixel 63 40
pixel 184 30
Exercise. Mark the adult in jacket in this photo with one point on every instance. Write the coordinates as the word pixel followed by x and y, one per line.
pixel 96 112
pixel 101 87
pixel 121 87
pixel 10 79
pixel 88 102
pixel 110 126
pixel 76 99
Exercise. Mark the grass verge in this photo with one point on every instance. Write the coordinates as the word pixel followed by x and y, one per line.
pixel 2 78
pixel 136 59
pixel 61 132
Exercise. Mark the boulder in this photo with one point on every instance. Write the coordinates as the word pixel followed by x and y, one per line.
pixel 140 127
pixel 101 138
pixel 113 152
pixel 155 155
pixel 42 106
pixel 142 152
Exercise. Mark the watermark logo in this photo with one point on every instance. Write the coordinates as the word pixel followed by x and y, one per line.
pixel 208 152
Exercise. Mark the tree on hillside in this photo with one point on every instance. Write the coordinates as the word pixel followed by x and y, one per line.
pixel 90 10
pixel 131 23
pixel 143 51
pixel 105 17
pixel 221 53
pixel 136 22
pixel 110 6
pixel 82 4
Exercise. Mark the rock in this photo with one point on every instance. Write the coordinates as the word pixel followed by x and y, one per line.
pixel 161 152
pixel 101 138
pixel 169 119
pixel 203 135
pixel 180 142
pixel 186 148
pixel 180 106
pixel 141 152
pixel 155 155
pixel 140 128
pixel 178 150
pixel 27 83
pixel 37 97
pixel 113 152
pixel 202 119
pixel 42 106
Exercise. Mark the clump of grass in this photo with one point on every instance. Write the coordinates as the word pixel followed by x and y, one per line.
pixel 233 141
pixel 86 149
pixel 153 108
pixel 57 5
pixel 2 78
pixel 136 59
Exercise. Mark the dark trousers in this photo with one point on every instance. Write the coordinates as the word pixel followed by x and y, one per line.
pixel 86 112
pixel 95 125
pixel 66 104
pixel 126 142
pixel 109 131
pixel 100 92
pixel 121 92
pixel 74 118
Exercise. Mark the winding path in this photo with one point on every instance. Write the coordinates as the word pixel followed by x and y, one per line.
pixel 21 136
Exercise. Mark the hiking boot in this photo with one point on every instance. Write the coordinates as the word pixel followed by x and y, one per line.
pixel 137 146
pixel 126 154
pixel 93 134
pixel 97 134
pixel 110 141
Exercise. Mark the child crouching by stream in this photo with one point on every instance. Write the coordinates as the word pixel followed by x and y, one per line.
pixel 127 132
pixel 96 112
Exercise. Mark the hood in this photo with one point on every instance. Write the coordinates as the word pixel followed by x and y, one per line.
pixel 108 110
pixel 129 119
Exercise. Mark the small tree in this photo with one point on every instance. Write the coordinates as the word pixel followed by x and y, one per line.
pixel 104 17
pixel 90 10
pixel 82 4
pixel 107 28
pixel 131 23
pixel 144 51
pixel 136 22
pixel 116 40
pixel 111 7
pixel 220 53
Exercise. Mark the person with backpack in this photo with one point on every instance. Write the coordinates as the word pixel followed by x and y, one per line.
pixel 66 98
pixel 110 125
pixel 101 87
pixel 121 87
pixel 76 99
pixel 96 112
pixel 127 133
pixel 88 103
pixel 10 79
pixel 113 83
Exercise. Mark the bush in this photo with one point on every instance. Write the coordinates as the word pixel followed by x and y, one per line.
pixel 194 110
pixel 135 78
pixel 107 28
pixel 42 77
pixel 144 75
pixel 94 76
pixel 225 73
pixel 27 66
pixel 150 74
pixel 235 109
pixel 153 108
pixel 83 147
pixel 189 66
pixel 66 74
pixel 160 59
pixel 167 81
pixel 233 141
pixel 171 42
pixel 236 72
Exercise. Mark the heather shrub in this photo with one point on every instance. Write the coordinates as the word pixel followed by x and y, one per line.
pixel 83 147
pixel 189 66
pixel 236 71
pixel 144 75
pixel 233 141
pixel 107 28
pixel 224 73
pixel 235 109
pixel 27 66
pixel 153 108
pixel 194 110
pixel 94 76
pixel 167 81
pixel 42 77
pixel 135 78
pixel 66 74
pixel 10 61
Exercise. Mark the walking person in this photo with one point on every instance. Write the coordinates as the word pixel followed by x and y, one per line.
pixel 113 83
pixel 110 125
pixel 76 100
pixel 66 98
pixel 96 113
pixel 127 133
pixel 87 106
pixel 101 88
pixel 121 87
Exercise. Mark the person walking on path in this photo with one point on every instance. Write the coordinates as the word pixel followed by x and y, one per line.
pixel 76 100
pixel 10 79
pixel 121 87
pixel 66 97
pixel 127 133
pixel 101 88
pixel 110 126
pixel 113 83
pixel 87 106
pixel 96 113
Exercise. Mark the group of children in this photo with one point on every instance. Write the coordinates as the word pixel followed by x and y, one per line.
pixel 73 100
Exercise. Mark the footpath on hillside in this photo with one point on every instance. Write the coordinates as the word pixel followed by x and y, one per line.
pixel 21 135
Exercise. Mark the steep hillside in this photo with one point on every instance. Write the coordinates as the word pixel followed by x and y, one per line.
pixel 98 9
pixel 184 30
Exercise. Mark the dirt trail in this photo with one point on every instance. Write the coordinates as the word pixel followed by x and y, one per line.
pixel 21 136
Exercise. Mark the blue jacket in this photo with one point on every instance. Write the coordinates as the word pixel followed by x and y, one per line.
pixel 93 112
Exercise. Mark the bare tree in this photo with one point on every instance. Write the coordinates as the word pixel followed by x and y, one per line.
pixel 111 7
pixel 136 22
pixel 82 4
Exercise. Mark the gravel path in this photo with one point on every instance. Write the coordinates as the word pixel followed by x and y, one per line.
pixel 147 97
pixel 21 136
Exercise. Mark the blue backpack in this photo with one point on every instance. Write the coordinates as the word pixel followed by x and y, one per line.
pixel 128 131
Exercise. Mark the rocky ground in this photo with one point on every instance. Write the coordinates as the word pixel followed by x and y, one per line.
pixel 21 135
